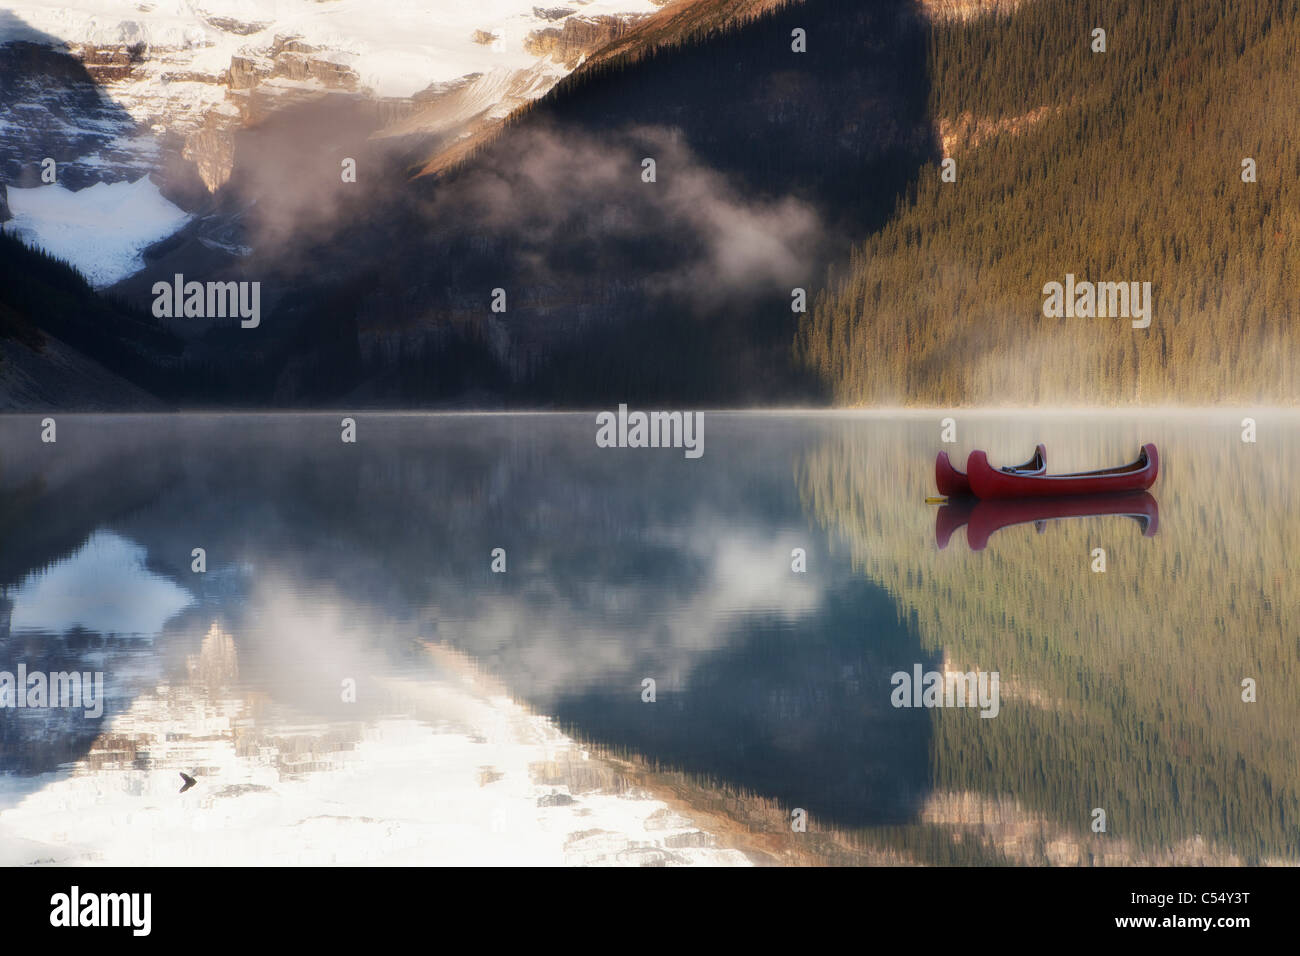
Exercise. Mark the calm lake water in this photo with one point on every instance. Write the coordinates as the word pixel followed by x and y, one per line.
pixel 349 680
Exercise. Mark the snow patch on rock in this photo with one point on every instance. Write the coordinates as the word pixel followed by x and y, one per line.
pixel 101 230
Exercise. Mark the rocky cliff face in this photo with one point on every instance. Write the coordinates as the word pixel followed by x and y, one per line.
pixel 292 59
pixel 53 109
pixel 569 43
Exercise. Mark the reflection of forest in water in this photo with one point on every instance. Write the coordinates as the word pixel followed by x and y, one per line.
pixel 1120 690
pixel 772 687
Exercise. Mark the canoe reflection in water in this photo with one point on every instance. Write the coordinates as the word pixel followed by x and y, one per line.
pixel 983 517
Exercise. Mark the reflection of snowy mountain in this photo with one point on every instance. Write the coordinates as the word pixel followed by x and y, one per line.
pixel 324 564
pixel 104 587
pixel 98 611
pixel 453 773
pixel 114 89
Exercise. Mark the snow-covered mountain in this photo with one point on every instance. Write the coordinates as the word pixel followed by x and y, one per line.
pixel 114 89
pixel 184 66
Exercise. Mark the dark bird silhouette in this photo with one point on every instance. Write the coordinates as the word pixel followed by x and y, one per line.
pixel 189 782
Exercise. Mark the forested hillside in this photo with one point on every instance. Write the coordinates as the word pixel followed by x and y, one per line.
pixel 63 345
pixel 1117 166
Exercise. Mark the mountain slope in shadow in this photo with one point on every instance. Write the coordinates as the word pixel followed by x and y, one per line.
pixel 615 285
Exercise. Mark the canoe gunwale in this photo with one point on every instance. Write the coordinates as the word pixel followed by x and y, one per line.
pixel 988 482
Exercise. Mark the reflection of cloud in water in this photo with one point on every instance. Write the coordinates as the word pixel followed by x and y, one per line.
pixel 548 643
pixel 104 587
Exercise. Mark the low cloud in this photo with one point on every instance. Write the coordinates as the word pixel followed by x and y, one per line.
pixel 691 231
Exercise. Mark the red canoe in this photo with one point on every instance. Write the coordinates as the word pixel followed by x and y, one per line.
pixel 987 482
pixel 953 483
